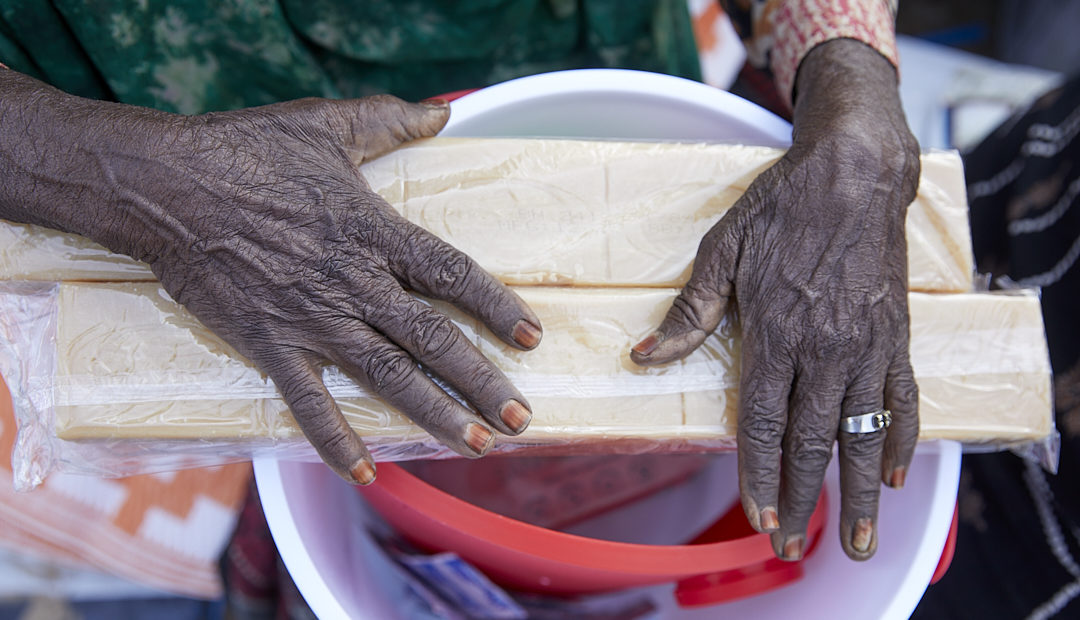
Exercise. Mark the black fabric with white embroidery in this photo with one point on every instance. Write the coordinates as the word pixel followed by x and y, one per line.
pixel 1018 548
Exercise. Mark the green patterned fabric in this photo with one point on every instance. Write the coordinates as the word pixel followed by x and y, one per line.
pixel 192 56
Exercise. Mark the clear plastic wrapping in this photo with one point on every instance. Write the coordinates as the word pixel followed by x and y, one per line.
pixel 114 378
pixel 565 212
pixel 117 379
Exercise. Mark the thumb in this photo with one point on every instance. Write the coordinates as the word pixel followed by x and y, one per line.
pixel 375 125
pixel 698 309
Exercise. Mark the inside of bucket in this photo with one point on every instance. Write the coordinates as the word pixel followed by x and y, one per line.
pixel 621 498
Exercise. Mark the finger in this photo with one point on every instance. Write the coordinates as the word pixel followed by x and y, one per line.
pixel 318 416
pixel 433 340
pixel 700 306
pixel 902 399
pixel 395 376
pixel 860 467
pixel 432 267
pixel 808 445
pixel 764 388
pixel 374 125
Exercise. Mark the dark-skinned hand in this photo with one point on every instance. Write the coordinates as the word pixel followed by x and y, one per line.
pixel 813 259
pixel 258 222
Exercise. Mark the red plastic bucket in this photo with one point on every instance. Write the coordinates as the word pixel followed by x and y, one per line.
pixel 728 561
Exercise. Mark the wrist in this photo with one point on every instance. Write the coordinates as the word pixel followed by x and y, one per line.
pixel 848 101
pixel 849 116
pixel 65 160
pixel 845 77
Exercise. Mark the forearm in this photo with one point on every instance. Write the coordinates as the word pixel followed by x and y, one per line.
pixel 65 161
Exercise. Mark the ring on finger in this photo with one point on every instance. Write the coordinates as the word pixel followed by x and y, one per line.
pixel 867 422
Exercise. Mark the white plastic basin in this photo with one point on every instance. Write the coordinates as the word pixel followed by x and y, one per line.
pixel 314 516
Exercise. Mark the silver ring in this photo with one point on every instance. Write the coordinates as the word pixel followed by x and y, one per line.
pixel 867 422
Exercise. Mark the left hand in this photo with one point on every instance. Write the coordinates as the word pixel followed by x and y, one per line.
pixel 814 258
pixel 259 222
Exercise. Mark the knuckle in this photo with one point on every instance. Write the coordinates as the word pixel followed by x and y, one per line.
pixel 776 334
pixel 866 392
pixel 760 433
pixel 904 394
pixel 807 452
pixel 433 265
pixel 388 111
pixel 435 336
pixel 439 418
pixel 686 310
pixel 383 100
pixel 325 431
pixel 389 370
pixel 374 230
pixel 839 339
pixel 330 267
pixel 483 378
pixel 761 484
pixel 450 272
pixel 798 502
pixel 338 445
pixel 307 400
pixel 763 386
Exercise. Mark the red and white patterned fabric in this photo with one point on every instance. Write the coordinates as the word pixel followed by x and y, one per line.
pixel 779 33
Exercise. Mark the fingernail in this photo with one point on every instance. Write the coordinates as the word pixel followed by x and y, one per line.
pixel 861 535
pixel 363 472
pixel 526 334
pixel 435 102
pixel 478 438
pixel 769 522
pixel 898 476
pixel 515 415
pixel 793 548
pixel 647 346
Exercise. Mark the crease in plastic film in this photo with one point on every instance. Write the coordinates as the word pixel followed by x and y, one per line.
pixel 28 365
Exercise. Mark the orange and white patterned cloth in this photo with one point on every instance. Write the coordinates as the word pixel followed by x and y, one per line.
pixel 165 531
pixel 779 33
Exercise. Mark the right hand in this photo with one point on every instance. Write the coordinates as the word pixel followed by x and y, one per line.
pixel 259 222
pixel 814 258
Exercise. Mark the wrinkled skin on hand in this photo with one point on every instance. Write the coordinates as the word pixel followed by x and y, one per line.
pixel 813 258
pixel 259 222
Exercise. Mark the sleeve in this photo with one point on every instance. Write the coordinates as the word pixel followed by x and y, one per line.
pixel 779 33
